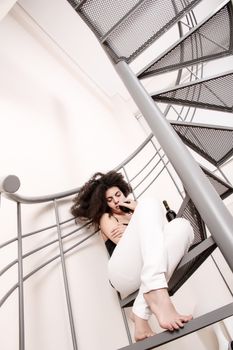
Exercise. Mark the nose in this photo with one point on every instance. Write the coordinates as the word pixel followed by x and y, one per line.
pixel 115 200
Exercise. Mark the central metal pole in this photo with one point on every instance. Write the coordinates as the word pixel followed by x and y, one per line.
pixel 206 199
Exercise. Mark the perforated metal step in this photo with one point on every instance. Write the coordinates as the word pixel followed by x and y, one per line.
pixel 211 39
pixel 126 28
pixel 213 93
pixel 223 188
pixel 203 140
pixel 190 327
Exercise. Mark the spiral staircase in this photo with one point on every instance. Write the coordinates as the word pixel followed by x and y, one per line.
pixel 125 30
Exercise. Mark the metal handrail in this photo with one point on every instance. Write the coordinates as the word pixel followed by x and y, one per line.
pixel 5 297
pixel 40 199
pixel 202 80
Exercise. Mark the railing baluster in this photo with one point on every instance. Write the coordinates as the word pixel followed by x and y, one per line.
pixel 66 285
pixel 166 167
pixel 127 178
pixel 20 280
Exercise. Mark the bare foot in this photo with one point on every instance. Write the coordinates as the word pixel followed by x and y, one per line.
pixel 142 328
pixel 161 305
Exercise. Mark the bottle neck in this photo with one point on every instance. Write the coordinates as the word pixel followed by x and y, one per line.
pixel 166 205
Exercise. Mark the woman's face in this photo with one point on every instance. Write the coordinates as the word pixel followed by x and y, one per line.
pixel 114 197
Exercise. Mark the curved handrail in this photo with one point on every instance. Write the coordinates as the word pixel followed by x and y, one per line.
pixel 40 199
pixel 47 198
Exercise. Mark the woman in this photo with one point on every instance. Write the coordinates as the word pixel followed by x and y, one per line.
pixel 144 248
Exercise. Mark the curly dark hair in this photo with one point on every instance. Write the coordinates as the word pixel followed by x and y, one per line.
pixel 90 203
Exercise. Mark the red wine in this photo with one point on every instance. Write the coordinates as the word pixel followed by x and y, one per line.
pixel 170 214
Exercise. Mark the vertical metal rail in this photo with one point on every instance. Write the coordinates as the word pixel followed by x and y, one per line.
pixel 223 175
pixel 128 180
pixel 66 285
pixel 205 198
pixel 119 298
pixel 168 171
pixel 20 280
pixel 125 321
pixel 221 274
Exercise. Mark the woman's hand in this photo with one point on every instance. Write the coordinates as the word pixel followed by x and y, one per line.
pixel 129 203
pixel 117 232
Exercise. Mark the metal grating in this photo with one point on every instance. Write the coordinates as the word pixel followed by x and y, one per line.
pixel 191 214
pixel 127 28
pixel 74 3
pixel 213 93
pixel 182 274
pixel 210 40
pixel 105 14
pixel 202 139
pixel 223 189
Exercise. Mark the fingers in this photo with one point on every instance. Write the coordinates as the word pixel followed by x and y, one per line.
pixel 115 233
pixel 118 231
pixel 129 203
pixel 117 237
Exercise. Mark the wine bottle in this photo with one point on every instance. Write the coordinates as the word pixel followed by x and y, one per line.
pixel 125 209
pixel 170 214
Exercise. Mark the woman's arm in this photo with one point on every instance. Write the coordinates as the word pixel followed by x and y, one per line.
pixel 111 229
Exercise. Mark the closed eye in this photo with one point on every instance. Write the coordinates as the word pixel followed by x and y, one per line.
pixel 117 194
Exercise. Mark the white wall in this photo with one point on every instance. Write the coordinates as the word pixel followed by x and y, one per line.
pixel 5 7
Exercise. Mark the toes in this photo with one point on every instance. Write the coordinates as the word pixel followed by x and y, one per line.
pixel 176 323
pixel 150 334
pixel 175 326
pixel 181 320
pixel 170 327
pixel 179 323
pixel 143 336
pixel 186 318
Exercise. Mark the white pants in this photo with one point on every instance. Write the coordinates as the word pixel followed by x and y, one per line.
pixel 148 253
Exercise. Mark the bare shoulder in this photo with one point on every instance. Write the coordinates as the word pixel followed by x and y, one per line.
pixel 107 224
pixel 105 218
